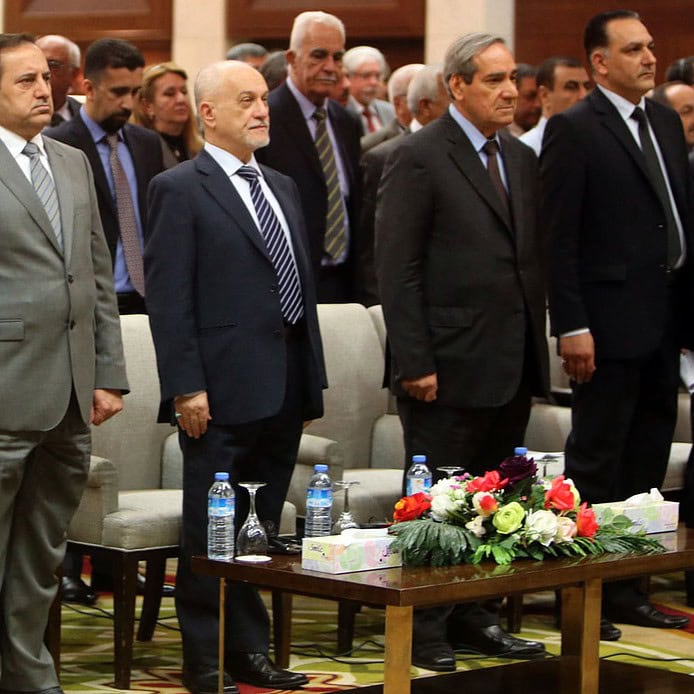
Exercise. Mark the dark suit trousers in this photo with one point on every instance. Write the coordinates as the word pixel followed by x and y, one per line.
pixel 687 506
pixel 262 451
pixel 42 476
pixel 477 439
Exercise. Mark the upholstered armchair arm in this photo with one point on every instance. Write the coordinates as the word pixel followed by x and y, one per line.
pixel 99 499
pixel 172 463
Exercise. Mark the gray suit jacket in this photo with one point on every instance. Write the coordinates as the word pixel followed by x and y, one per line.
pixel 384 110
pixel 59 325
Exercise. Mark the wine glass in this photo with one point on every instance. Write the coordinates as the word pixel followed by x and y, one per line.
pixel 451 470
pixel 345 520
pixel 251 543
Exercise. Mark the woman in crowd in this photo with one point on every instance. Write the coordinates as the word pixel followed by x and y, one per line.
pixel 164 106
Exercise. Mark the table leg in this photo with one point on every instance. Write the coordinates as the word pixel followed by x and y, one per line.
pixel 220 655
pixel 580 632
pixel 398 657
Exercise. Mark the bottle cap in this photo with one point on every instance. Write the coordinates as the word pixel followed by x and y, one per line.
pixel 520 450
pixel 419 459
pixel 221 475
pixel 320 467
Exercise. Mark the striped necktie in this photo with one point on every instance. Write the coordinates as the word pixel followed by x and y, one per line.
pixel 127 224
pixel 45 189
pixel 335 241
pixel 277 244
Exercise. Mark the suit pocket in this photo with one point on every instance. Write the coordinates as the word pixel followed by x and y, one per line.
pixel 450 316
pixel 215 329
pixel 11 330
pixel 605 273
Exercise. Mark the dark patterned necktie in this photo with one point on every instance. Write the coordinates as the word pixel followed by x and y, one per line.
pixel 491 149
pixel 127 223
pixel 45 189
pixel 278 249
pixel 335 241
pixel 674 247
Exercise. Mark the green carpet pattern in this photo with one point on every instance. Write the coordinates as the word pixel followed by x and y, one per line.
pixel 87 646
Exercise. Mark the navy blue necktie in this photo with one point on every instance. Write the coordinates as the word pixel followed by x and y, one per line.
pixel 278 249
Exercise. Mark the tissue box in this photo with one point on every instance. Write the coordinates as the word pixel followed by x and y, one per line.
pixel 652 517
pixel 338 554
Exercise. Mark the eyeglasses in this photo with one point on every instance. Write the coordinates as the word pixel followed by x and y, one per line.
pixel 57 65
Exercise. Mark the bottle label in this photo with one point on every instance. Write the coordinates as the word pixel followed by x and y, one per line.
pixel 319 498
pixel 220 506
pixel 418 484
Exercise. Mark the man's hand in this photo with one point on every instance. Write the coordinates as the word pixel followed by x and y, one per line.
pixel 194 412
pixel 105 403
pixel 423 388
pixel 578 356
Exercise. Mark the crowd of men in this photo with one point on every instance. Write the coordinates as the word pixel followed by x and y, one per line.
pixel 464 197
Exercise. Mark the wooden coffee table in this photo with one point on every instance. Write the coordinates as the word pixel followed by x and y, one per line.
pixel 578 669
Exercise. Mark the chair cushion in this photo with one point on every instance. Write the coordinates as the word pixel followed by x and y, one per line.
pixel 372 500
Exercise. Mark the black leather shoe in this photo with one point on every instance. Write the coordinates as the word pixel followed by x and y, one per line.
pixel 608 631
pixel 77 591
pixel 203 679
pixel 435 655
pixel 644 615
pixel 257 669
pixel 493 640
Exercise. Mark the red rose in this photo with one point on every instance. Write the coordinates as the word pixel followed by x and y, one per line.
pixel 411 507
pixel 559 495
pixel 491 482
pixel 586 525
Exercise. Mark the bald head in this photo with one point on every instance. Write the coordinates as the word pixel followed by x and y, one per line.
pixel 231 98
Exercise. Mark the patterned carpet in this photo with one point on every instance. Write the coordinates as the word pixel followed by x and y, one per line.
pixel 87 659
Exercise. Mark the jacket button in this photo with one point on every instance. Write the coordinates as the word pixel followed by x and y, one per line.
pixel 70 279
pixel 277 333
pixel 273 289
pixel 72 324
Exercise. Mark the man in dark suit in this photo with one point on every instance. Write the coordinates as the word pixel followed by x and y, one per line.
pixel 64 62
pixel 238 350
pixel 113 76
pixel 458 261
pixel 617 210
pixel 61 354
pixel 300 110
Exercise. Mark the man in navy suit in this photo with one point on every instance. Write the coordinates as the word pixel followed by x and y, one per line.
pixel 238 350
pixel 617 208
pixel 316 47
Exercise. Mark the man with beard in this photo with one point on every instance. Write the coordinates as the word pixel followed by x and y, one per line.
pixel 124 158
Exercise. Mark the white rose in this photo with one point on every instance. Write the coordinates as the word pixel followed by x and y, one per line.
pixel 441 506
pixel 475 526
pixel 541 526
pixel 566 529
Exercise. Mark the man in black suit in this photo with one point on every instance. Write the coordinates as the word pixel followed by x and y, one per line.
pixel 64 62
pixel 238 350
pixel 113 76
pixel 617 211
pixel 300 111
pixel 458 260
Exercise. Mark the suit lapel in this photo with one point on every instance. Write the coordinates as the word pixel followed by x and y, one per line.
pixel 218 185
pixel 468 161
pixel 88 146
pixel 61 176
pixel 18 184
pixel 513 166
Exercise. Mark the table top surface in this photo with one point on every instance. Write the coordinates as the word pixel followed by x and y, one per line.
pixel 422 586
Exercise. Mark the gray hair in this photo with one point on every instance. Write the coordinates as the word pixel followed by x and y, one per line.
pixel 241 51
pixel 354 57
pixel 424 85
pixel 73 50
pixel 303 21
pixel 400 80
pixel 460 56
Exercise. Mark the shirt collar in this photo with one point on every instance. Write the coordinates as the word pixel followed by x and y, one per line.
pixel 477 139
pixel 230 164
pixel 307 107
pixel 623 106
pixel 15 143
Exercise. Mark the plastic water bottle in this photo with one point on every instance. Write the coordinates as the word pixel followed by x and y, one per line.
pixel 520 451
pixel 418 476
pixel 221 506
pixel 319 503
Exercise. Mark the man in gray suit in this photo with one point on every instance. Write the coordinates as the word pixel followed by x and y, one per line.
pixel 61 355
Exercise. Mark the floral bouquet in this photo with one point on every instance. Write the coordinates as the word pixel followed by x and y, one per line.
pixel 507 514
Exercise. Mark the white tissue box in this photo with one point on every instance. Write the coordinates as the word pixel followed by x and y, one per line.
pixel 358 550
pixel 651 517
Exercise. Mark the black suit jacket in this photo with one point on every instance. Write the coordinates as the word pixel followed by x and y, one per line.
pixel 606 227
pixel 459 284
pixel 145 149
pixel 212 296
pixel 293 152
